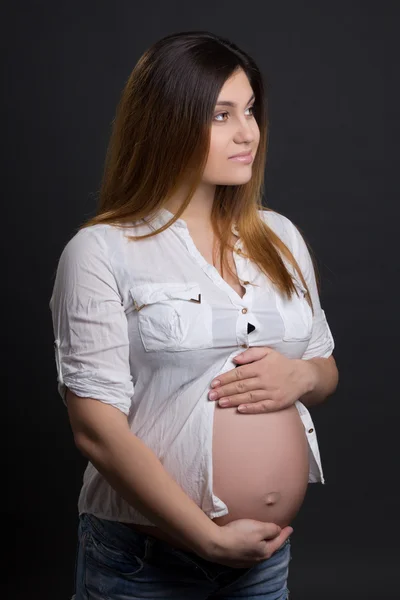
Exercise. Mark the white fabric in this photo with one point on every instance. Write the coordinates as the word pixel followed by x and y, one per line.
pixel 156 364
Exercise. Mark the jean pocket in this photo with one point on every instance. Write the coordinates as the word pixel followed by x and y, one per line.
pixel 117 562
pixel 172 316
pixel 111 553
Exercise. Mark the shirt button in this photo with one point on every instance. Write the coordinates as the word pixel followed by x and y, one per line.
pixel 244 310
pixel 310 430
pixel 245 345
pixel 246 282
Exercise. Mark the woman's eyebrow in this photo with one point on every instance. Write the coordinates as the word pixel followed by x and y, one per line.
pixel 229 103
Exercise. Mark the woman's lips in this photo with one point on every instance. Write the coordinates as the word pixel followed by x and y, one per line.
pixel 243 159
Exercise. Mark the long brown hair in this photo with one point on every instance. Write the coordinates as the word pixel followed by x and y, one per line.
pixel 160 139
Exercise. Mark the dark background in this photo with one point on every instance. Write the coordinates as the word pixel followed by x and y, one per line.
pixel 331 169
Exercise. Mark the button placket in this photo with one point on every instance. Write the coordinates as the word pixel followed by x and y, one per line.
pixel 242 327
pixel 182 231
pixel 243 318
pixel 210 270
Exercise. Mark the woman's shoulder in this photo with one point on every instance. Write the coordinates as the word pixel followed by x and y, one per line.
pixel 280 224
pixel 88 253
pixel 93 239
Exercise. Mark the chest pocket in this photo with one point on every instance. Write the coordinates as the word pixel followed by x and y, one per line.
pixel 296 314
pixel 172 316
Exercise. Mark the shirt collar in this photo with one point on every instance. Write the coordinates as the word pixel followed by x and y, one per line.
pixel 163 216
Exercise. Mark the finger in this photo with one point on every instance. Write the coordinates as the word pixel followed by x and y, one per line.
pixel 238 388
pixel 271 531
pixel 235 399
pixel 263 406
pixel 240 372
pixel 276 543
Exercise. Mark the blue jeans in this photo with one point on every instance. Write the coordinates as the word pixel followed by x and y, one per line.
pixel 114 562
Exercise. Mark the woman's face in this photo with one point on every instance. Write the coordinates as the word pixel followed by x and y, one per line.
pixel 233 130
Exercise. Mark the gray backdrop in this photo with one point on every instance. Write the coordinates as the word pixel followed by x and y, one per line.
pixel 328 68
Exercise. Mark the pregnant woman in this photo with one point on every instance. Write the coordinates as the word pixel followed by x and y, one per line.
pixel 183 279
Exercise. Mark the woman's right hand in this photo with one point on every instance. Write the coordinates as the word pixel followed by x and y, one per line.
pixel 246 542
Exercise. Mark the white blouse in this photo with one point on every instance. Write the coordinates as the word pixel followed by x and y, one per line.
pixel 146 326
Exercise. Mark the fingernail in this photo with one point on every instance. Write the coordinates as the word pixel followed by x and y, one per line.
pixel 215 382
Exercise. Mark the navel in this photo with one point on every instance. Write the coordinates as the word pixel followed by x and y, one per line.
pixel 272 498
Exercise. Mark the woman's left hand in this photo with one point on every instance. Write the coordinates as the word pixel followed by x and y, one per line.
pixel 269 382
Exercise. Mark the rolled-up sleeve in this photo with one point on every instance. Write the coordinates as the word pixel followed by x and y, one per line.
pixel 321 344
pixel 91 340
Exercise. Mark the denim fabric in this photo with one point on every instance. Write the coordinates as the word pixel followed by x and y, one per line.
pixel 116 563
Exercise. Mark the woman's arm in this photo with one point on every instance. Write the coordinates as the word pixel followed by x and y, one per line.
pixel 323 376
pixel 102 435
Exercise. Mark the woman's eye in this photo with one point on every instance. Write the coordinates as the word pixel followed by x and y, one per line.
pixel 226 113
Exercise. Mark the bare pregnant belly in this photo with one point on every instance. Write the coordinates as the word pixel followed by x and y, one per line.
pixel 260 464
pixel 260 468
